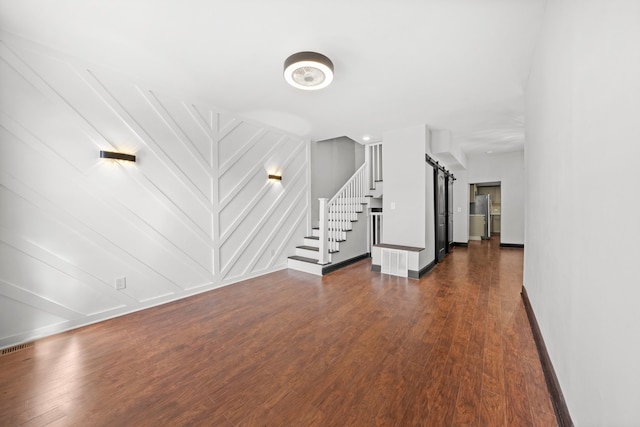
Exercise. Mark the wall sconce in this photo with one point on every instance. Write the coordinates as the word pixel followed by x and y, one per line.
pixel 275 177
pixel 117 156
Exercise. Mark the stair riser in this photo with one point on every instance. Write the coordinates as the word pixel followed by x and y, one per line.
pixel 338 211
pixel 340 223
pixel 316 244
pixel 312 242
pixel 341 208
pixel 305 266
pixel 342 217
pixel 341 226
pixel 307 253
pixel 349 201
pixel 341 235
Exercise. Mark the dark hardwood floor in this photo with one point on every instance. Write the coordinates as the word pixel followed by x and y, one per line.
pixel 290 349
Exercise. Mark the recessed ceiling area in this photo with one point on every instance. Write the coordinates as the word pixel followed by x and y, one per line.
pixel 459 65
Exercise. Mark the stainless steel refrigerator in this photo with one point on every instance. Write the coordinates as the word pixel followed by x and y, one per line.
pixel 482 206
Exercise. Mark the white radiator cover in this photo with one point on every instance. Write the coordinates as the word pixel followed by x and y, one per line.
pixel 394 262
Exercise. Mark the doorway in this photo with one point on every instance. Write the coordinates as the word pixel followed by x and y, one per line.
pixel 485 211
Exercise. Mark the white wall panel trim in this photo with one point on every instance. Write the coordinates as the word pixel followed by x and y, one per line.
pixel 15 292
pixel 225 130
pixel 71 223
pixel 54 261
pixel 211 124
pixel 283 219
pixel 259 195
pixel 208 129
pixel 258 168
pixel 180 135
pixel 34 79
pixel 111 203
pixel 258 225
pixel 145 138
pixel 289 242
pixel 43 87
pixel 250 143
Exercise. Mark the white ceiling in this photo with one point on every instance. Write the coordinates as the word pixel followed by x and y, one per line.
pixel 460 65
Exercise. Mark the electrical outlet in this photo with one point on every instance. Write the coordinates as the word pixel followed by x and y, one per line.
pixel 121 283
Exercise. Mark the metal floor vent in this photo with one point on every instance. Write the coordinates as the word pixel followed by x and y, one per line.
pixel 16 348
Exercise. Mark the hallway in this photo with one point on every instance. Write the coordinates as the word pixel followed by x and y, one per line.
pixel 350 348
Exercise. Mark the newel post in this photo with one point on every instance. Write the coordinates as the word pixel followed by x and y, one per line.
pixel 323 256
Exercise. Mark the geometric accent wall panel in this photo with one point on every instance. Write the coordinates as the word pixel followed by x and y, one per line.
pixel 194 212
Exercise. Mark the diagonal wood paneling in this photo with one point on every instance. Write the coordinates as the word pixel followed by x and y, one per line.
pixel 196 211
pixel 252 190
pixel 72 193
pixel 271 208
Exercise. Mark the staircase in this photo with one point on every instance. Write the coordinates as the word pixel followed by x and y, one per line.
pixel 345 233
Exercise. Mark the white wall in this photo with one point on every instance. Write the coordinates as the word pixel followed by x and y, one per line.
pixel 460 206
pixel 582 228
pixel 359 155
pixel 333 162
pixel 429 254
pixel 508 168
pixel 447 150
pixel 404 172
pixel 196 210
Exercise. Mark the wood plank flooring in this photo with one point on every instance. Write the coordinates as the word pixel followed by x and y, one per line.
pixel 353 348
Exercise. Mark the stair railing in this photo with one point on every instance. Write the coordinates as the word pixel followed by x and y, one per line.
pixel 337 213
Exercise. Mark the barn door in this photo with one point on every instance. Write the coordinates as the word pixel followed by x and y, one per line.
pixel 441 214
pixel 449 212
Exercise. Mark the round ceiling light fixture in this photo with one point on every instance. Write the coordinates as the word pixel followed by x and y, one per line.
pixel 308 70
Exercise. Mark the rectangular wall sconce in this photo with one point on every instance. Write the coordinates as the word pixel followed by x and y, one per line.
pixel 117 156
pixel 275 177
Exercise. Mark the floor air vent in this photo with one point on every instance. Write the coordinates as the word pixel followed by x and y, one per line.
pixel 15 348
pixel 394 262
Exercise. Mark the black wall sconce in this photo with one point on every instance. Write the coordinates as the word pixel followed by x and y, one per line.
pixel 117 156
pixel 275 177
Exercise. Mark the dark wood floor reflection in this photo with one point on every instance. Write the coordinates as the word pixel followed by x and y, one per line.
pixel 290 349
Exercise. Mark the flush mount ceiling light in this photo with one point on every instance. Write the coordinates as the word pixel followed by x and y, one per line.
pixel 308 70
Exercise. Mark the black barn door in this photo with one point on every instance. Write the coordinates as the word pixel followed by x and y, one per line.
pixel 441 214
pixel 449 212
